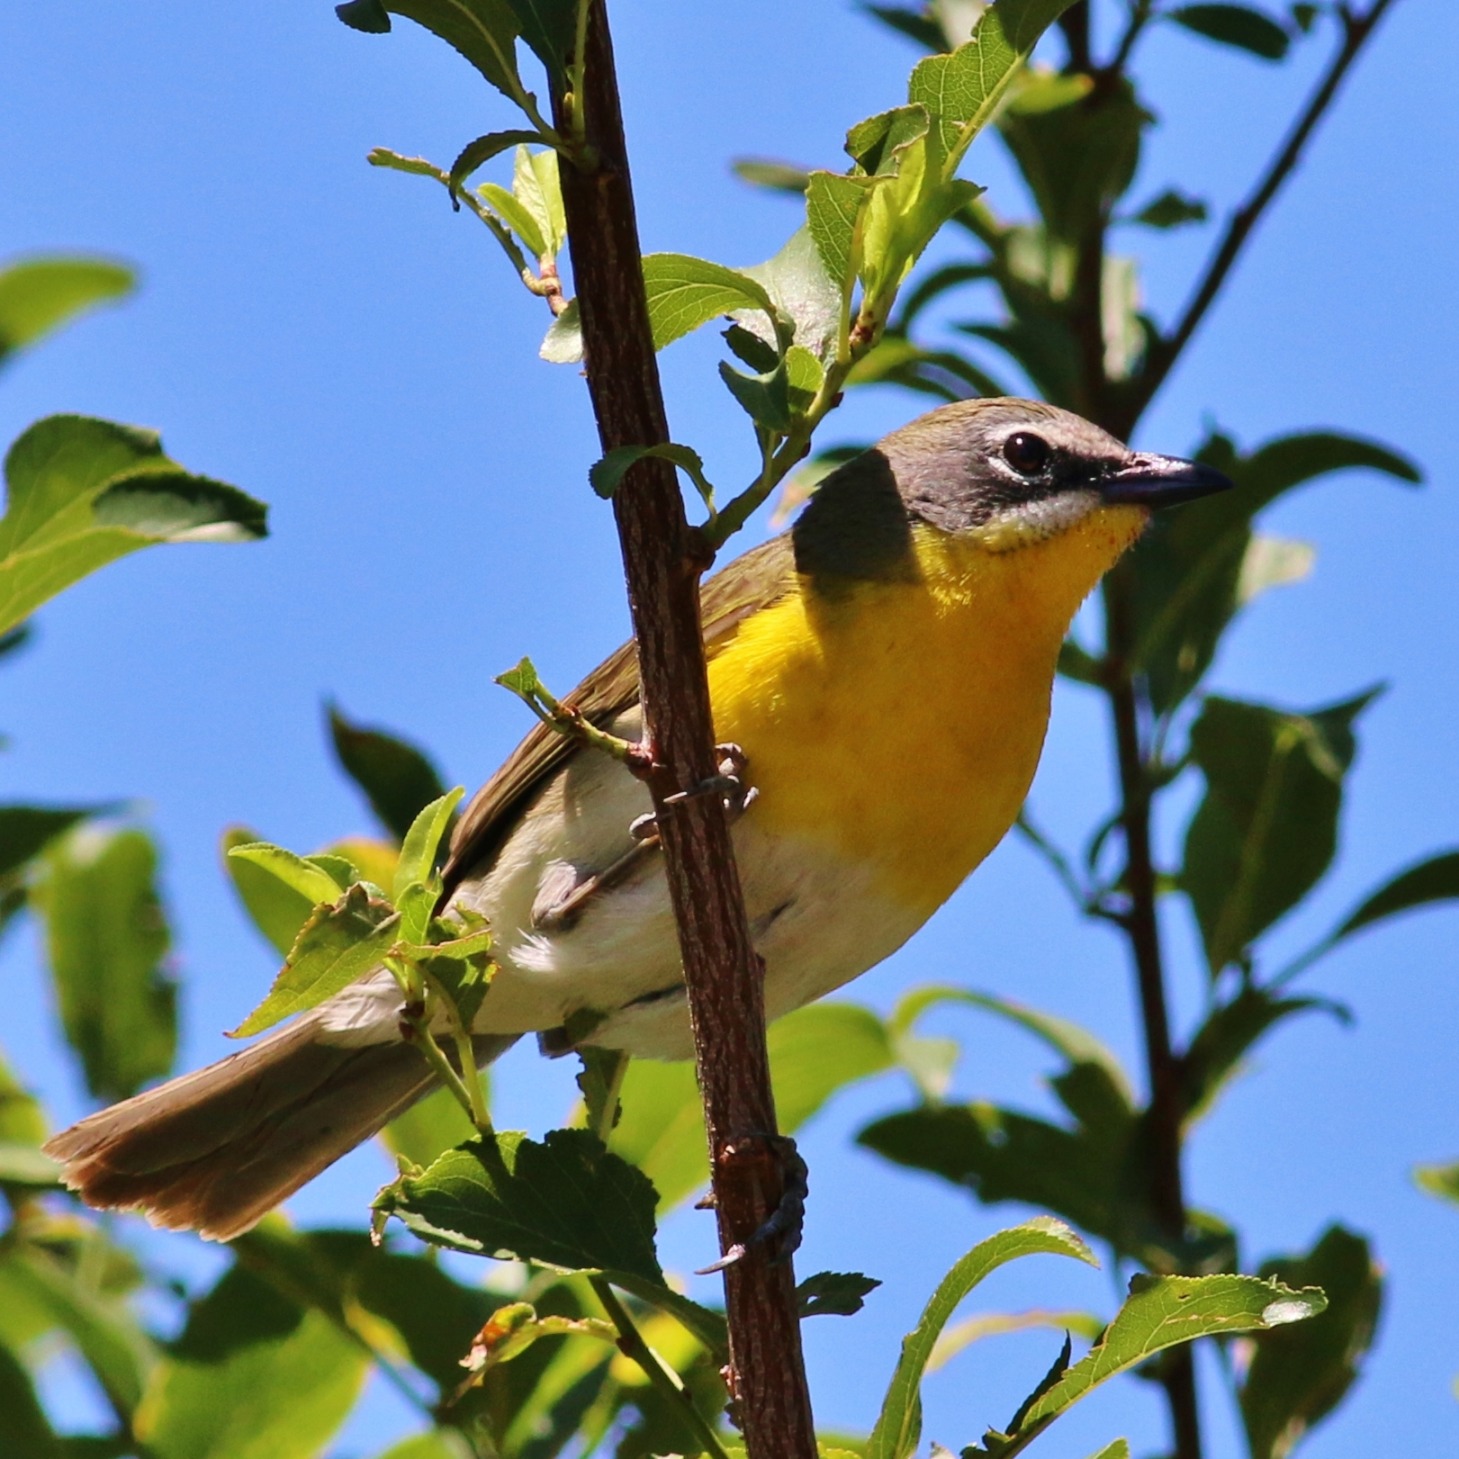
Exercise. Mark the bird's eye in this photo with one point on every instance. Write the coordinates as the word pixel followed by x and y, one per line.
pixel 1026 453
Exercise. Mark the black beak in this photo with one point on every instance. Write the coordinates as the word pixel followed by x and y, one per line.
pixel 1153 481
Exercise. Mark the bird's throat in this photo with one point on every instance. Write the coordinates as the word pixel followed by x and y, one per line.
pixel 899 723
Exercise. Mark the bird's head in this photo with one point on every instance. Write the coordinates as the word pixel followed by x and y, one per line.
pixel 996 474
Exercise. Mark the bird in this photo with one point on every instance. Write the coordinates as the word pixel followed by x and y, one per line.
pixel 884 670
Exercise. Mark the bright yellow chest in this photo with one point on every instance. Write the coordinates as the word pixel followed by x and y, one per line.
pixel 900 724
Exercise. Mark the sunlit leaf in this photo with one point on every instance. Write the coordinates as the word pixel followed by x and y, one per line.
pixel 84 492
pixel 899 1424
pixel 336 946
pixel 25 831
pixel 483 31
pixel 38 295
pixel 685 293
pixel 1159 1313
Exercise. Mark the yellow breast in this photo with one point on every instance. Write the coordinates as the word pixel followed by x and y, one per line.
pixel 900 723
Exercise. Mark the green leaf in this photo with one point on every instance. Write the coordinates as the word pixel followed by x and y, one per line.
pixel 432 1444
pixel 276 906
pixel 536 185
pixel 483 31
pixel 1240 26
pixel 764 398
pixel 1434 879
pixel 105 1333
pixel 1439 1180
pixel 518 217
pixel 833 1294
pixel 343 1275
pixel 337 945
pixel 38 295
pixel 685 293
pixel 1171 209
pixel 1188 569
pixel 606 475
pixel 311 883
pixel 252 1377
pixel 22 1121
pixel 1115 1449
pixel 834 204
pixel 1298 1375
pixel 963 90
pixel 804 293
pixel 899 1424
pixel 84 492
pixel 421 847
pixel 21 1164
pixel 814 1052
pixel 107 938
pixel 398 779
pixel 1231 1029
pixel 917 25
pixel 25 1432
pixel 1094 1173
pixel 774 176
pixel 548 27
pixel 1266 830
pixel 566 1202
pixel 26 831
pixel 563 342
pixel 1159 1313
pixel 477 153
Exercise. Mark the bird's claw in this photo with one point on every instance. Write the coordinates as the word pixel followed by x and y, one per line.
pixel 727 782
pixel 785 1225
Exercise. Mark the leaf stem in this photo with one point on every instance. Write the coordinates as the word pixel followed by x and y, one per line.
pixel 668 1383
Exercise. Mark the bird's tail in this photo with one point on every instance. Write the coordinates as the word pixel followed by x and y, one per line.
pixel 214 1151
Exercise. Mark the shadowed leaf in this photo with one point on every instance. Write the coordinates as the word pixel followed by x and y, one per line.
pixel 107 938
pixel 1298 1375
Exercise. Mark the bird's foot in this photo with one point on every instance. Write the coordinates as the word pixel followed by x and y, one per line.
pixel 783 1228
pixel 728 781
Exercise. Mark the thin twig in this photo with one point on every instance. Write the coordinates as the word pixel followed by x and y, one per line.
pixel 1167 349
pixel 668 1383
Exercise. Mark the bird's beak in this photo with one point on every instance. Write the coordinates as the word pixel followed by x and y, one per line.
pixel 1148 480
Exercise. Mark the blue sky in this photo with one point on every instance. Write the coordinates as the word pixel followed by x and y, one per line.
pixel 334 340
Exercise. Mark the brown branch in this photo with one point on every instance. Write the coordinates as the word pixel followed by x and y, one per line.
pixel 1166 1114
pixel 1166 350
pixel 662 561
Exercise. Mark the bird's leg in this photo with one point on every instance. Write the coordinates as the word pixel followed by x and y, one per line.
pixel 728 781
pixel 558 906
pixel 784 1226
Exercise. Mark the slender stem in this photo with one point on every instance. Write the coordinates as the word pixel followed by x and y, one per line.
pixel 1164 353
pixel 1141 923
pixel 663 558
pixel 632 1345
pixel 1140 14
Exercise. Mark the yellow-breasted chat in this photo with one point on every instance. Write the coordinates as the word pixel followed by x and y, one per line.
pixel 884 670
